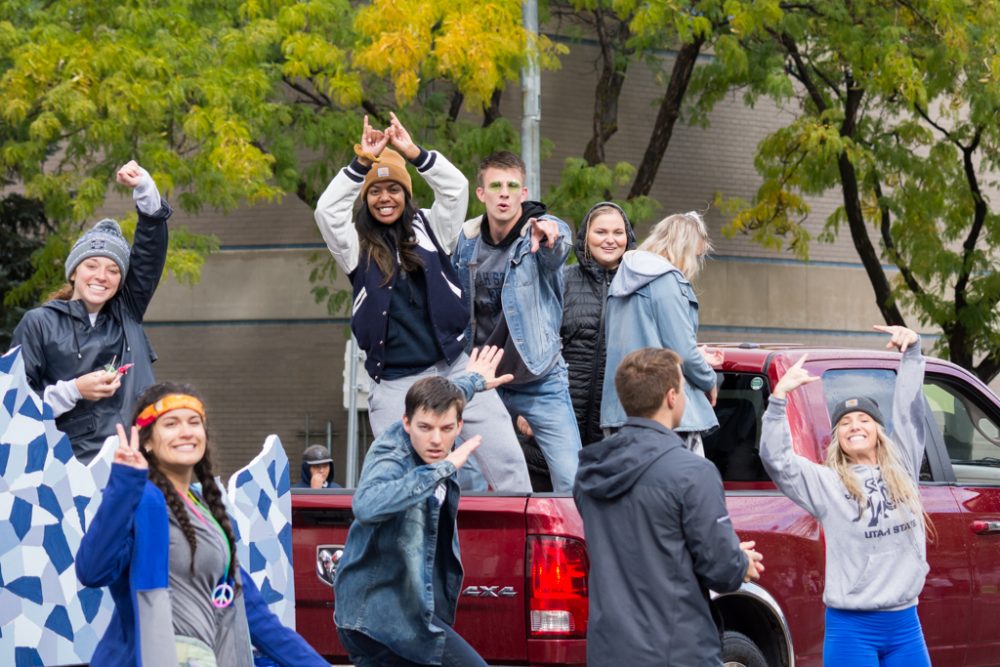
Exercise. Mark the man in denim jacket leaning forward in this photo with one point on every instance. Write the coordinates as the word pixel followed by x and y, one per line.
pixel 398 581
pixel 509 262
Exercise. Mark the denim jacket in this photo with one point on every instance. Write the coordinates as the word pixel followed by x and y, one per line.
pixel 532 294
pixel 384 582
pixel 652 304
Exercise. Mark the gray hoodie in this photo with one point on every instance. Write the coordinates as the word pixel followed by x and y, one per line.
pixel 876 560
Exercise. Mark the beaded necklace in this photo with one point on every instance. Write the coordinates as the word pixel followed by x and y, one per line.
pixel 224 591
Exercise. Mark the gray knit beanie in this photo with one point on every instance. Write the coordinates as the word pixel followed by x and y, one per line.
pixel 104 239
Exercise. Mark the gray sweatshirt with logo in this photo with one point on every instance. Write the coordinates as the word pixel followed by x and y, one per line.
pixel 875 559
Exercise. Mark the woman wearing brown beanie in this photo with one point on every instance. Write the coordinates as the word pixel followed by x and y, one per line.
pixel 408 315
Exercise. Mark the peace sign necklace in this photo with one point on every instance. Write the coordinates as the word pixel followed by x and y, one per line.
pixel 224 591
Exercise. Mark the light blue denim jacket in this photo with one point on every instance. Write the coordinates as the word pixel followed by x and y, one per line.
pixel 652 304
pixel 384 582
pixel 532 292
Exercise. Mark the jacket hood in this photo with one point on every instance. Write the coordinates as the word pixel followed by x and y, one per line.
pixel 580 247
pixel 638 269
pixel 73 308
pixel 529 209
pixel 611 467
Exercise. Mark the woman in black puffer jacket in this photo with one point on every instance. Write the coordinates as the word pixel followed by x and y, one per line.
pixel 603 237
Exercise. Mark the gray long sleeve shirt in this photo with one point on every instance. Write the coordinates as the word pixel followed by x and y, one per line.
pixel 876 560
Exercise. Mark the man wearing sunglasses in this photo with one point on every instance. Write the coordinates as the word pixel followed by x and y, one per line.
pixel 509 262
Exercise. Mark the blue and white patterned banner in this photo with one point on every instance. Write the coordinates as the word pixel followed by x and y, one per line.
pixel 260 500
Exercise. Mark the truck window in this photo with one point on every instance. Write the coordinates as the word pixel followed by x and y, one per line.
pixel 878 384
pixel 733 447
pixel 970 432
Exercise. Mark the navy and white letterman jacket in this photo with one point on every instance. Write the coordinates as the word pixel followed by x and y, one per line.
pixel 436 229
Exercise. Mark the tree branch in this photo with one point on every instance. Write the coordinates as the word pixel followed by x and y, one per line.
pixel 927 119
pixel 885 227
pixel 314 96
pixel 666 118
pixel 802 70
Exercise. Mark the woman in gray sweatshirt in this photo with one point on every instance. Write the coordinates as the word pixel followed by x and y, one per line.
pixel 867 499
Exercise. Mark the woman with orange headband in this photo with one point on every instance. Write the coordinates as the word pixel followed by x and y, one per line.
pixel 165 548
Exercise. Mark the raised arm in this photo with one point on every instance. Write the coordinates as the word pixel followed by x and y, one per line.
pixel 451 188
pixel 909 408
pixel 106 548
pixel 148 255
pixel 800 479
pixel 335 209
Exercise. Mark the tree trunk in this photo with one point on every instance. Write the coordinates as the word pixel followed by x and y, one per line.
pixel 614 63
pixel 456 105
pixel 670 110
pixel 856 219
pixel 609 88
pixel 491 112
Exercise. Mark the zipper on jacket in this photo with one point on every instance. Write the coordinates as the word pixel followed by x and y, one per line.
pixel 592 392
pixel 472 265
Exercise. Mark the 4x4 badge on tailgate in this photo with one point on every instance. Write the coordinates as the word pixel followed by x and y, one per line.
pixel 490 592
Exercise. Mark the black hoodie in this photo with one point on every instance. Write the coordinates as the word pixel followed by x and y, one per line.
pixel 658 537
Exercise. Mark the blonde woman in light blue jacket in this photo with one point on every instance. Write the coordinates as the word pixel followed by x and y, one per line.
pixel 651 303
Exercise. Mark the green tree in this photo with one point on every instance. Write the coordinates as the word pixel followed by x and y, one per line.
pixel 237 101
pixel 629 31
pixel 898 107
pixel 22 226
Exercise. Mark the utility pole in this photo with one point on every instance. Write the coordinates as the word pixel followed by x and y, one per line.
pixel 531 86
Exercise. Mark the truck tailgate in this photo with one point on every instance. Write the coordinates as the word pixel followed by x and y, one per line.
pixel 492 606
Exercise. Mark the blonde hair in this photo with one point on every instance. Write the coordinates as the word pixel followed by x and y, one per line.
pixel 678 237
pixel 901 486
pixel 64 293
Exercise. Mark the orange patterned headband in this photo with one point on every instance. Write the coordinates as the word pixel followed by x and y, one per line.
pixel 169 402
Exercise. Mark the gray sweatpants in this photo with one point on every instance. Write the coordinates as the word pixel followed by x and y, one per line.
pixel 500 458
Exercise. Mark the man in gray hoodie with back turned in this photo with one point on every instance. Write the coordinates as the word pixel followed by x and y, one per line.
pixel 658 533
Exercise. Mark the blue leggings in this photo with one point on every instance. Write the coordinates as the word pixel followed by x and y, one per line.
pixel 874 639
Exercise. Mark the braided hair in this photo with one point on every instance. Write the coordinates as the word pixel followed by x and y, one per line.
pixel 202 470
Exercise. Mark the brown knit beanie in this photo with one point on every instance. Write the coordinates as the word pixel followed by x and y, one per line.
pixel 390 166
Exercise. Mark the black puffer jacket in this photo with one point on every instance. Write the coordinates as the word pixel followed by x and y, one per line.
pixel 58 343
pixel 582 330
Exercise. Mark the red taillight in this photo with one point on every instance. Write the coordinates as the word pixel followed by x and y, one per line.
pixel 558 575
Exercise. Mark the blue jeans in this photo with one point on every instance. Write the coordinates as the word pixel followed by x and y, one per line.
pixel 366 652
pixel 874 639
pixel 547 407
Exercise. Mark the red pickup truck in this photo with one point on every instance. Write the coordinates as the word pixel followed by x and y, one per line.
pixel 524 600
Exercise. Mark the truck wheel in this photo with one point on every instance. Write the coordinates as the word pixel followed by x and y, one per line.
pixel 738 650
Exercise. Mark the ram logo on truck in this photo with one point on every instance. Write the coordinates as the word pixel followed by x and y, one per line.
pixel 490 592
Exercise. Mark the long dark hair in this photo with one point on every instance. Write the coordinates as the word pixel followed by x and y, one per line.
pixel 381 242
pixel 202 470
